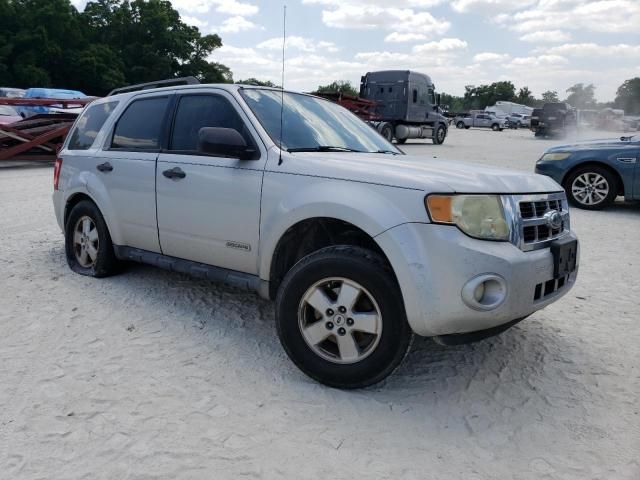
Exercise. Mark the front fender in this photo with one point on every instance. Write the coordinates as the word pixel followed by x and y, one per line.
pixel 290 199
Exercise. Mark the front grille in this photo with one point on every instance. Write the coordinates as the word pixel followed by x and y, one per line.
pixel 543 290
pixel 536 230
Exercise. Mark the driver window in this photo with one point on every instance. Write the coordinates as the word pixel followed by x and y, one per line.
pixel 197 111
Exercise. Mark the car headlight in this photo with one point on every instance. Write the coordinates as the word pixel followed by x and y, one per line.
pixel 479 216
pixel 555 156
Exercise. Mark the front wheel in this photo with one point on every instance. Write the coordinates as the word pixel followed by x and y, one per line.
pixel 88 246
pixel 387 131
pixel 340 317
pixel 591 188
pixel 460 125
pixel 495 127
pixel 441 134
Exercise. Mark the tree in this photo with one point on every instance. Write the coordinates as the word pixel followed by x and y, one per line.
pixel 338 86
pixel 48 43
pixel 628 96
pixel 452 102
pixel 550 96
pixel 476 98
pixel 258 83
pixel 581 96
pixel 525 97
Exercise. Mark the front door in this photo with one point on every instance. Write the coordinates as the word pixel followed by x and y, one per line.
pixel 209 211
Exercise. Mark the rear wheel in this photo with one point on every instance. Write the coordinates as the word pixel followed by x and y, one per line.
pixel 340 317
pixel 460 125
pixel 88 246
pixel 495 127
pixel 591 188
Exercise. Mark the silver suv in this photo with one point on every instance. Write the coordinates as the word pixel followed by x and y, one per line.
pixel 359 245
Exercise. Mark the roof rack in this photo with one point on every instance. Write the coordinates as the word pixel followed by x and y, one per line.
pixel 171 82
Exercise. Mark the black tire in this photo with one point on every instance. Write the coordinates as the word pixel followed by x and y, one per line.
pixel 495 127
pixel 105 263
pixel 590 172
pixel 441 134
pixel 387 132
pixel 467 127
pixel 370 271
pixel 401 141
pixel 460 125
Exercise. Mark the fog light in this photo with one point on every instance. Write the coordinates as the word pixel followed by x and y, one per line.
pixel 485 292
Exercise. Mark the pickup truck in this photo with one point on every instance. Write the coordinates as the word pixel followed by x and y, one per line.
pixel 480 120
pixel 294 197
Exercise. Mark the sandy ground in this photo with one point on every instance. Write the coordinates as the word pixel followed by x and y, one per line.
pixel 155 375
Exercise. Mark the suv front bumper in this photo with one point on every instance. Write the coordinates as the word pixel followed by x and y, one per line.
pixel 433 264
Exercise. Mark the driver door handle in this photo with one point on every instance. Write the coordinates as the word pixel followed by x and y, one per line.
pixel 174 173
pixel 104 167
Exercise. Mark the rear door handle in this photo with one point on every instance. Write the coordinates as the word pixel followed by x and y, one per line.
pixel 175 172
pixel 104 167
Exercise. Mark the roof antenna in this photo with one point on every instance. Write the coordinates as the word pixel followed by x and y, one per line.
pixel 284 42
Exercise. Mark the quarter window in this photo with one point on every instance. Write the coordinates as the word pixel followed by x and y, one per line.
pixel 197 111
pixel 140 126
pixel 89 124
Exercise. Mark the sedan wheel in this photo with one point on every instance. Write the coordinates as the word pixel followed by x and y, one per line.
pixel 591 188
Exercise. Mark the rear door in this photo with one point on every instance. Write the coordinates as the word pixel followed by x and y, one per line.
pixel 127 167
pixel 212 213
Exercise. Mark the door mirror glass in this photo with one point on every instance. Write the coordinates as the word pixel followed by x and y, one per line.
pixel 226 142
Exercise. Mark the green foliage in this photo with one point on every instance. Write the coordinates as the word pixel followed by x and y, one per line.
pixel 525 97
pixel 581 96
pixel 550 96
pixel 452 103
pixel 338 86
pixel 112 43
pixel 258 83
pixel 628 96
pixel 477 98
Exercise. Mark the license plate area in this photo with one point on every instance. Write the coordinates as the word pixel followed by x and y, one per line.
pixel 565 252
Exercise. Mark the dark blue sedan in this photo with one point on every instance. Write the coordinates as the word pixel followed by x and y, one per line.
pixel 594 173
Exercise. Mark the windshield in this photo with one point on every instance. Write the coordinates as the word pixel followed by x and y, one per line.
pixel 311 123
pixel 6 110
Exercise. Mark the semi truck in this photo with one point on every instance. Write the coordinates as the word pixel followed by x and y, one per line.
pixel 399 104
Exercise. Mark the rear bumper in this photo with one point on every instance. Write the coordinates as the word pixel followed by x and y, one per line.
pixel 433 264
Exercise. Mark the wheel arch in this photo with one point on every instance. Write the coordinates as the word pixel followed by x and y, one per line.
pixel 76 197
pixel 595 163
pixel 310 235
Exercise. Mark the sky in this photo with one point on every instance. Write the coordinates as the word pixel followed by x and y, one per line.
pixel 542 44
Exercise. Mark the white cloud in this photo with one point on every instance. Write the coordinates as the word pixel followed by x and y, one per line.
pixel 229 7
pixel 397 37
pixel 446 45
pixel 489 6
pixel 539 61
pixel 195 21
pixel 298 43
pixel 396 19
pixel 490 57
pixel 236 24
pixel 546 36
pixel 594 50
pixel 610 16
pixel 379 3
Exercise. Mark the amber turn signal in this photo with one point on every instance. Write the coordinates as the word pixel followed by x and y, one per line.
pixel 439 207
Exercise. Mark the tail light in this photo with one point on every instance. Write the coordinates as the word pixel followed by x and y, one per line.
pixel 56 172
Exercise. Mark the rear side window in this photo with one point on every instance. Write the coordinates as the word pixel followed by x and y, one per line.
pixel 140 126
pixel 197 111
pixel 89 124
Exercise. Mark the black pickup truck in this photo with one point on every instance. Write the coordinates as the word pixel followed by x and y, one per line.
pixel 553 119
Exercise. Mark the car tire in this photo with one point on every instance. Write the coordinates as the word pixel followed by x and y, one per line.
pixel 495 127
pixel 467 127
pixel 88 245
pixel 441 134
pixel 460 125
pixel 323 340
pixel 591 187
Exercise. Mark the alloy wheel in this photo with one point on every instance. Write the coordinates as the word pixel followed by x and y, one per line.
pixel 86 241
pixel 590 188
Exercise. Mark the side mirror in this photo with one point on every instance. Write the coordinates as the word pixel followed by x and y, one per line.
pixel 438 99
pixel 225 142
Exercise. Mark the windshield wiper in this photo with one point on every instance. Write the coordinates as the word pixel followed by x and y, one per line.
pixel 322 148
pixel 388 151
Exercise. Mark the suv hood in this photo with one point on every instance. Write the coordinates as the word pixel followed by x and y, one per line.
pixel 417 172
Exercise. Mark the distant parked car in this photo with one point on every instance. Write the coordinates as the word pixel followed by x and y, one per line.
pixel 49 93
pixel 8 92
pixel 8 115
pixel 518 120
pixel 481 120
pixel 594 173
